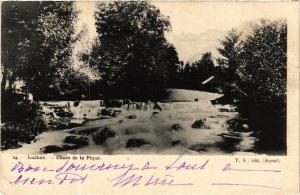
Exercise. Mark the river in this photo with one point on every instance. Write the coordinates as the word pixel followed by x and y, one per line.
pixel 171 130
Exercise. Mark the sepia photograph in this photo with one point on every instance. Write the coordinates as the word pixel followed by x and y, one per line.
pixel 142 78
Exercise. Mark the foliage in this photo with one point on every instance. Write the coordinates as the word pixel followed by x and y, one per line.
pixel 257 78
pixel 75 85
pixel 226 71
pixel 194 74
pixel 16 109
pixel 131 53
pixel 12 134
pixel 21 120
pixel 38 45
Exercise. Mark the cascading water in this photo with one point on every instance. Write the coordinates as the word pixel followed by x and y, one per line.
pixel 166 128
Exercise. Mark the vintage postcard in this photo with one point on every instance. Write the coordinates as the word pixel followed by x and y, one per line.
pixel 149 97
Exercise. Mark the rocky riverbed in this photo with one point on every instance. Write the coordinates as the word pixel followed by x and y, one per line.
pixel 187 123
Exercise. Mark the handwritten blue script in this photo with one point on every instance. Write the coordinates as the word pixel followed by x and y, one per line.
pixel 127 174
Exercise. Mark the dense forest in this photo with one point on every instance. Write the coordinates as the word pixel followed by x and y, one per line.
pixel 133 60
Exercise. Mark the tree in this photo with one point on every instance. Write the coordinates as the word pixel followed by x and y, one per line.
pixel 230 50
pixel 197 72
pixel 38 44
pixel 258 75
pixel 19 20
pixel 226 72
pixel 264 66
pixel 56 29
pixel 131 53
pixel 204 66
pixel 264 61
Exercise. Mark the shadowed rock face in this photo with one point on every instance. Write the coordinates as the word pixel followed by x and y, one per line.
pixel 58 148
pixel 135 143
pixel 175 142
pixel 78 140
pixel 199 124
pixel 106 112
pixel 198 148
pixel 131 116
pixel 99 137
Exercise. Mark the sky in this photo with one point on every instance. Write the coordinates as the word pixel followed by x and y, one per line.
pixel 198 26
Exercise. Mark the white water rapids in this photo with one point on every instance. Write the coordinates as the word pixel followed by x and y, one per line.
pixel 154 128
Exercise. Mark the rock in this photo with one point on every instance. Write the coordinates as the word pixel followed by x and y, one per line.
pixel 176 127
pixel 110 112
pixel 131 116
pixel 175 142
pixel 218 116
pixel 238 125
pixel 63 112
pixel 199 124
pixel 78 140
pixel 116 113
pixel 198 148
pixel 154 113
pixel 99 137
pixel 58 148
pixel 76 103
pixel 156 106
pixel 135 143
pixel 106 112
pixel 225 110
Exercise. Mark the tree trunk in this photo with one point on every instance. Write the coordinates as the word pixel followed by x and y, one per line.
pixel 3 82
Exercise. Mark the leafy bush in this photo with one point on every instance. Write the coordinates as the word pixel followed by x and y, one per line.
pixel 15 109
pixel 21 120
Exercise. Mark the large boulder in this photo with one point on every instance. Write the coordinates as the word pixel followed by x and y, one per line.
pixel 78 140
pixel 106 112
pixel 58 148
pixel 135 143
pixel 238 125
pixel 131 116
pixel 99 137
pixel 198 148
pixel 176 142
pixel 199 124
pixel 110 112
